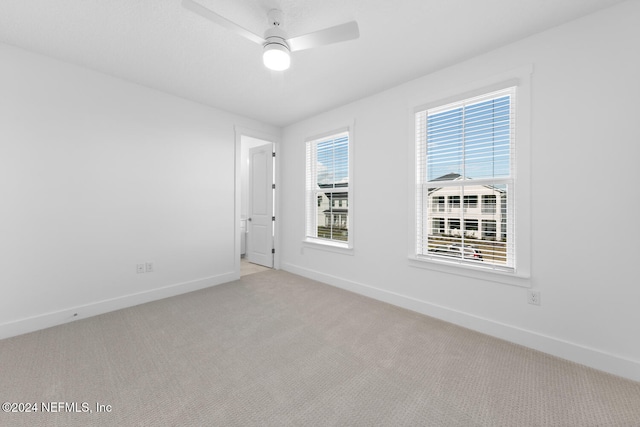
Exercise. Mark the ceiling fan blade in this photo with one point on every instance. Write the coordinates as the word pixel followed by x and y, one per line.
pixel 339 33
pixel 221 20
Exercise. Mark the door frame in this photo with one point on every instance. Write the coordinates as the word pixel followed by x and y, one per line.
pixel 267 137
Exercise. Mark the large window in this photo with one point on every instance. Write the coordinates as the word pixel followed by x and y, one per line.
pixel 465 152
pixel 328 219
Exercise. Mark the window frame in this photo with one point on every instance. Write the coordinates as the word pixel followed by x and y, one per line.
pixel 520 275
pixel 332 245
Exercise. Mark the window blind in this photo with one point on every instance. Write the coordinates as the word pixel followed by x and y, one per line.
pixel 465 181
pixel 327 188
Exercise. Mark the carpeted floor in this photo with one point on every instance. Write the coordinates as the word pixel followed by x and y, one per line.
pixel 275 349
pixel 247 267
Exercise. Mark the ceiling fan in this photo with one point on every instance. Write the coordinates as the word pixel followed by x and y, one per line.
pixel 277 46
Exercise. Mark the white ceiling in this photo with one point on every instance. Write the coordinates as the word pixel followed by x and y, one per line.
pixel 159 44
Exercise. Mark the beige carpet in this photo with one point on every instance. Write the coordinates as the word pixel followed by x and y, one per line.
pixel 275 349
pixel 247 267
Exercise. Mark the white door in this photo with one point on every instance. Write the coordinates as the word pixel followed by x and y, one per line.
pixel 260 220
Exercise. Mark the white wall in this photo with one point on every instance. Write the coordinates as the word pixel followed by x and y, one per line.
pixel 584 156
pixel 97 175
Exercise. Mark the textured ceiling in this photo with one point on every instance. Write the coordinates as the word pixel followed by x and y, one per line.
pixel 159 44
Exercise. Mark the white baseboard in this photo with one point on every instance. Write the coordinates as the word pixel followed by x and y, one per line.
pixel 47 320
pixel 577 353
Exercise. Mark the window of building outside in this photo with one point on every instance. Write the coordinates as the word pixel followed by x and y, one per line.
pixel 438 225
pixel 438 204
pixel 328 218
pixel 454 202
pixel 464 151
pixel 470 202
pixel 489 204
pixel 470 225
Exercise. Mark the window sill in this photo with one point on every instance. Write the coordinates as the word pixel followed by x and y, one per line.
pixel 326 245
pixel 481 273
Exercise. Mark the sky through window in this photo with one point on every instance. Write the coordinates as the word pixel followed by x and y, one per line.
pixel 333 160
pixel 471 141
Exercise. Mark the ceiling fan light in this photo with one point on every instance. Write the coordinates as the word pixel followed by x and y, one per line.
pixel 276 57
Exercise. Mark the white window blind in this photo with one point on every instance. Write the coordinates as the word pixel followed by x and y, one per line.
pixel 327 189
pixel 465 182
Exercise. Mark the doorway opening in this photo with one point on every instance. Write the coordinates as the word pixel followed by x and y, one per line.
pixel 257 204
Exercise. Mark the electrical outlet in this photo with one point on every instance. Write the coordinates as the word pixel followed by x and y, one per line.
pixel 140 268
pixel 533 297
pixel 149 267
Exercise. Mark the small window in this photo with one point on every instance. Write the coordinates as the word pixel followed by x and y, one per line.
pixel 437 202
pixel 489 204
pixel 438 225
pixel 454 202
pixel 470 225
pixel 327 181
pixel 470 202
pixel 489 229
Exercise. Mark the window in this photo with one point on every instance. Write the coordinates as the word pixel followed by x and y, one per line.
pixel 437 203
pixel 470 202
pixel 488 229
pixel 470 225
pixel 465 152
pixel 489 204
pixel 327 181
pixel 438 225
pixel 454 202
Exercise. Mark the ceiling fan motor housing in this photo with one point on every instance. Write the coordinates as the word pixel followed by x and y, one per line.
pixel 275 35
